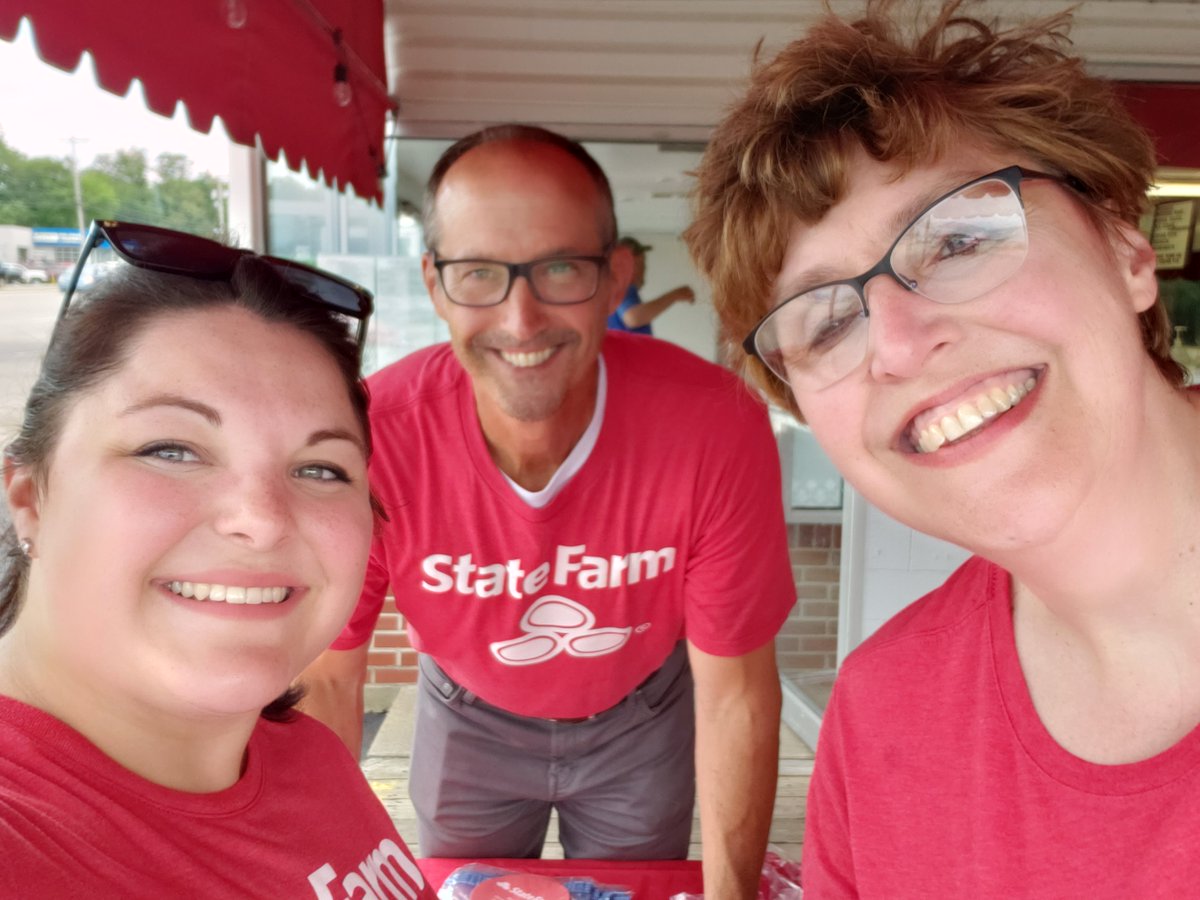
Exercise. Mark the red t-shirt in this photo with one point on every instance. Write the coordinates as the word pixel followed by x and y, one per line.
pixel 300 822
pixel 672 528
pixel 936 778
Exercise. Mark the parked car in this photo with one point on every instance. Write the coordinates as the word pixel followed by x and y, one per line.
pixel 60 269
pixel 15 272
pixel 91 271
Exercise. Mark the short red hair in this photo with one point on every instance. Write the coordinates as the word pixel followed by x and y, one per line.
pixel 780 155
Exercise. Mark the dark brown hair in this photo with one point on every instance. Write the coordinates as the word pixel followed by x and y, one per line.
pixel 780 156
pixel 95 338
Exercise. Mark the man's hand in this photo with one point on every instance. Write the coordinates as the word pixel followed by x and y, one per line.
pixel 681 294
pixel 649 310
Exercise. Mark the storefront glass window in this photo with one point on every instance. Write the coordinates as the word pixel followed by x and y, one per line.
pixel 312 223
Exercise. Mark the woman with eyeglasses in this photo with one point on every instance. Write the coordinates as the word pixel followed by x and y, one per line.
pixel 190 525
pixel 925 225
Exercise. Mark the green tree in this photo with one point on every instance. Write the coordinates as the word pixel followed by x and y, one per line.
pixel 45 186
pixel 12 207
pixel 39 192
pixel 186 204
pixel 100 198
pixel 129 174
pixel 172 167
pixel 34 191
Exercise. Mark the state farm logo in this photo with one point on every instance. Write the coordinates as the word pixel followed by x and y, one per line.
pixel 517 891
pixel 554 625
pixel 571 567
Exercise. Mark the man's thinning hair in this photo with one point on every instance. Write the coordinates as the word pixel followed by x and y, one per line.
pixel 517 134
pixel 781 155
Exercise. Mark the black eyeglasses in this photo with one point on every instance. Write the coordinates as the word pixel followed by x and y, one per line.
pixel 557 280
pixel 967 242
pixel 178 253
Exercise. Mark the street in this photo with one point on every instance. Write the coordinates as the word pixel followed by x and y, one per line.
pixel 27 313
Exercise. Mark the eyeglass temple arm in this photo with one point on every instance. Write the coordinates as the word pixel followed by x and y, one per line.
pixel 89 242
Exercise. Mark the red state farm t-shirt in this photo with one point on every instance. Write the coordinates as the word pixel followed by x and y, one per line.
pixel 672 528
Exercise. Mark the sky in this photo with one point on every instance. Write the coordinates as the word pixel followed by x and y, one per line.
pixel 41 107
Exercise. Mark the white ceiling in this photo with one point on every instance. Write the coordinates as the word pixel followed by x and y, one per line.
pixel 642 82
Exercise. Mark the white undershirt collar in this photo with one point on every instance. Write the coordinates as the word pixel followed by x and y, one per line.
pixel 576 458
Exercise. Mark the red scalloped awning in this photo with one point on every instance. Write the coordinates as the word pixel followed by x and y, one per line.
pixel 266 67
pixel 1171 113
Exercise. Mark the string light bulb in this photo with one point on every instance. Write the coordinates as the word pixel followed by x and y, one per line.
pixel 343 94
pixel 235 13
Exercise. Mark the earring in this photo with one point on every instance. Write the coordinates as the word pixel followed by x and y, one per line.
pixel 26 546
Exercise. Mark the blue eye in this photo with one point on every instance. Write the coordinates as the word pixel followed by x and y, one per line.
pixel 168 452
pixel 958 245
pixel 318 472
pixel 832 332
pixel 560 268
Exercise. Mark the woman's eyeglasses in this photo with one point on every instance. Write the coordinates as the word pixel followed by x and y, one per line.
pixel 962 245
pixel 178 253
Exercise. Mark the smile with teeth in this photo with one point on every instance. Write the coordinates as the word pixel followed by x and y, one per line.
pixel 526 360
pixel 229 593
pixel 972 415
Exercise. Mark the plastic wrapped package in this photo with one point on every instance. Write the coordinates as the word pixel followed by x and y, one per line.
pixel 479 882
pixel 780 880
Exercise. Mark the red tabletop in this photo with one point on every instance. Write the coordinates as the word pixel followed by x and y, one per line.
pixel 648 880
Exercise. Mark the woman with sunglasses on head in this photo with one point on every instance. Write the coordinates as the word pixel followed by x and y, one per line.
pixel 927 225
pixel 190 525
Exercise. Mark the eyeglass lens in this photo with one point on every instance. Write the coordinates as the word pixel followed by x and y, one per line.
pixel 170 251
pixel 486 283
pixel 323 288
pixel 960 248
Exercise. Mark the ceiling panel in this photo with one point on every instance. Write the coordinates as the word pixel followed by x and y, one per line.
pixel 661 72
pixel 665 69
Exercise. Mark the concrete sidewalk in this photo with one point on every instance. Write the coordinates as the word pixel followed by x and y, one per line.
pixel 386 768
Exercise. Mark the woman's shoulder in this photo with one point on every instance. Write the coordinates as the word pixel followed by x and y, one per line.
pixel 301 736
pixel 933 629
pixel 426 374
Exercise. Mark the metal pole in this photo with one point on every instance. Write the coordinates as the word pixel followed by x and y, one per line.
pixel 75 178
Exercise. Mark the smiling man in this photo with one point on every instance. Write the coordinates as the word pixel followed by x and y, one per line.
pixel 585 537
pixel 929 241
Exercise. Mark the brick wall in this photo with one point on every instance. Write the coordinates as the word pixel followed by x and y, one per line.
pixel 391 660
pixel 808 640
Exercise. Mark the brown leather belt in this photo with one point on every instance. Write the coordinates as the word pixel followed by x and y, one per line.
pixel 575 720
pixel 578 719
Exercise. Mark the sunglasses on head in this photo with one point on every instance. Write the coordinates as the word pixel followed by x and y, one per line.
pixel 178 253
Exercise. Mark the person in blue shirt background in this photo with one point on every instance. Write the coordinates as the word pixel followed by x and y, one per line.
pixel 633 314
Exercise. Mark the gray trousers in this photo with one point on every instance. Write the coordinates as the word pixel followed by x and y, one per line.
pixel 483 780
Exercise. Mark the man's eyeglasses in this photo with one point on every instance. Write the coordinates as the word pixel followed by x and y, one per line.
pixel 963 245
pixel 557 280
pixel 178 253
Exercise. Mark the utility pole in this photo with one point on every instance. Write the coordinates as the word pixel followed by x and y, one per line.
pixel 73 141
pixel 218 198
